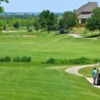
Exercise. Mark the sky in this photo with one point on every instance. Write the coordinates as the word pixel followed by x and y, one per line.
pixel 40 5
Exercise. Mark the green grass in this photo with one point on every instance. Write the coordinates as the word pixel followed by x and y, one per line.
pixel 26 81
pixel 85 32
pixel 87 71
pixel 44 46
pixel 35 81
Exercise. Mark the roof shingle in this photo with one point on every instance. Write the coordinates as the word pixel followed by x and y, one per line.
pixel 87 7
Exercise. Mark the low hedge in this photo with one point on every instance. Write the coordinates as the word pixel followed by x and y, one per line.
pixel 22 59
pixel 16 59
pixel 5 59
pixel 81 60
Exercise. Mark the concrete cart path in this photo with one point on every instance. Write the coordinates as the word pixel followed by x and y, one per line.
pixel 74 70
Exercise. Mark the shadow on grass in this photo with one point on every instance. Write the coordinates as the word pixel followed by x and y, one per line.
pixel 93 36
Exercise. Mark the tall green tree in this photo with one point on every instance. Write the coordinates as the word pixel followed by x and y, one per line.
pixel 70 19
pixel 61 23
pixel 2 10
pixel 93 23
pixel 47 19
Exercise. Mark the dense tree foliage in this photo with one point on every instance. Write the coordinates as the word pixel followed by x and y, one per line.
pixel 70 19
pixel 93 23
pixel 47 19
pixel 1 10
pixel 24 23
pixel 61 23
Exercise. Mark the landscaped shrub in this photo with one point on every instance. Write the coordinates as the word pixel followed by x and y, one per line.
pixel 25 59
pixel 16 59
pixel 8 59
pixel 22 59
pixel 5 59
pixel 51 61
pixel 30 30
pixel 82 60
pixel 96 60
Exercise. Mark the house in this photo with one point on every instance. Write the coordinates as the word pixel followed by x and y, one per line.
pixel 85 11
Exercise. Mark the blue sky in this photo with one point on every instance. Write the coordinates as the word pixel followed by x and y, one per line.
pixel 40 5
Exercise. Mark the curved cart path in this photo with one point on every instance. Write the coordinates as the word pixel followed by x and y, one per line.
pixel 74 70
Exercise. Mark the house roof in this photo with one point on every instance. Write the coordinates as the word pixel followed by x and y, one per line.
pixel 87 7
pixel 84 16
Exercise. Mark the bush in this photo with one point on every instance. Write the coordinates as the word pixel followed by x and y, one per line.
pixel 16 59
pixel 30 30
pixel 22 59
pixel 25 59
pixel 51 61
pixel 82 60
pixel 96 60
pixel 5 59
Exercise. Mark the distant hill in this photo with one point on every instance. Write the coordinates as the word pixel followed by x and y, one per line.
pixel 26 13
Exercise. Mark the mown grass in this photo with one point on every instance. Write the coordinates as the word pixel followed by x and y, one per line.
pixel 36 81
pixel 88 71
pixel 27 81
pixel 44 46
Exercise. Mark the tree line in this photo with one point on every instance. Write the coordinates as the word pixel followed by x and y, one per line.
pixel 48 21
